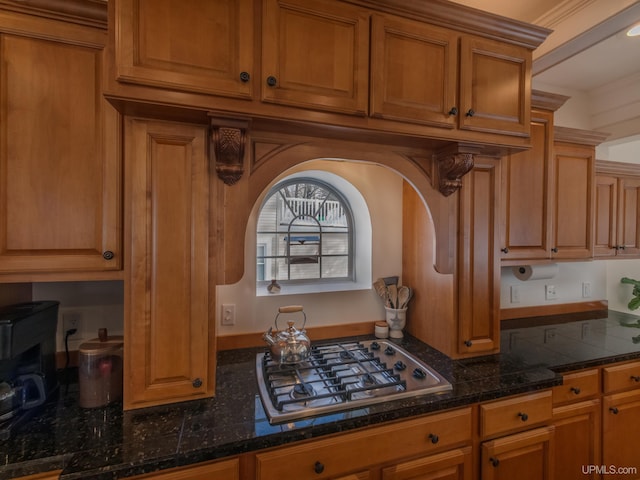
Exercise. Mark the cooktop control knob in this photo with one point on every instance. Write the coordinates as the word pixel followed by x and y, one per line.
pixel 400 365
pixel 375 346
pixel 419 373
pixel 389 351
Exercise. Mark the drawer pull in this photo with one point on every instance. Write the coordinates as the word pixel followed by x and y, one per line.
pixel 108 255
pixel 635 378
pixel 453 111
pixel 468 343
pixel 575 390
pixel 523 416
pixel 318 467
pixel 614 410
pixel 434 438
pixel 494 461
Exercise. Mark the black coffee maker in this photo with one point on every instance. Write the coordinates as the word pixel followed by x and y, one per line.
pixel 27 361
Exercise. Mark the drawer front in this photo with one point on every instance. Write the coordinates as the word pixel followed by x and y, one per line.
pixel 338 455
pixel 515 413
pixel 621 377
pixel 577 386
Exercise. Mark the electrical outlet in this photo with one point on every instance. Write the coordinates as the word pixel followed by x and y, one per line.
pixel 71 321
pixel 228 314
pixel 584 330
pixel 515 294
pixel 549 335
pixel 550 292
pixel 586 289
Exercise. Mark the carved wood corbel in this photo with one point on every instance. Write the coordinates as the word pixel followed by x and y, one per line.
pixel 228 138
pixel 449 166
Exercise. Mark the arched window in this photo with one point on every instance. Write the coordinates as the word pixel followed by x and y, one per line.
pixel 304 234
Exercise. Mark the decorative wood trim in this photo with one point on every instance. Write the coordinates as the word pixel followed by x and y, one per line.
pixel 547 310
pixel 463 18
pixel 547 101
pixel 576 135
pixel 251 340
pixel 617 168
pixel 85 12
pixel 449 166
pixel 228 138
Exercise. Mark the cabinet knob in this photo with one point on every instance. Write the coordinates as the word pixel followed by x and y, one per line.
pixel 272 81
pixel 318 467
pixel 245 77
pixel 554 249
pixel 504 250
pixel 434 438
pixel 575 390
pixel 468 343
pixel 614 410
pixel 453 111
pixel 470 113
pixel 635 378
pixel 197 383
pixel 621 247
pixel 494 461
pixel 108 255
pixel 523 416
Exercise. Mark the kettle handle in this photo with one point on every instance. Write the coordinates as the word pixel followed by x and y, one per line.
pixel 38 382
pixel 291 309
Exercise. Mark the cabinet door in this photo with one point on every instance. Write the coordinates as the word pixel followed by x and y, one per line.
pixel 495 87
pixel 606 211
pixel 479 263
pixel 166 299
pixel 192 45
pixel 223 470
pixel 526 196
pixel 413 72
pixel 524 456
pixel 59 163
pixel 628 241
pixel 577 439
pixel 573 201
pixel 453 465
pixel 620 426
pixel 315 54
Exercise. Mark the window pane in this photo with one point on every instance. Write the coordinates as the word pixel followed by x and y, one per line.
pixel 335 267
pixel 335 244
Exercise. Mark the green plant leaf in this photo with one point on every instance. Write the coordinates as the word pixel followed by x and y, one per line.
pixel 634 303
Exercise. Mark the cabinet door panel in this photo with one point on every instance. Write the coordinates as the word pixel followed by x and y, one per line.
pixel 318 55
pixel 166 303
pixel 495 87
pixel 606 211
pixel 191 45
pixel 527 194
pixel 60 181
pixel 479 269
pixel 628 222
pixel 620 425
pixel 577 439
pixel 573 202
pixel 453 465
pixel 525 456
pixel 414 72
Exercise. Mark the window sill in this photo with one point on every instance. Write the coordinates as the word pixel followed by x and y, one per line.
pixel 311 288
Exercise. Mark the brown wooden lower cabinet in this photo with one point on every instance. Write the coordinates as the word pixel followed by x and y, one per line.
pixel 524 456
pixel 577 440
pixel 620 427
pixel 452 465
pixel 222 470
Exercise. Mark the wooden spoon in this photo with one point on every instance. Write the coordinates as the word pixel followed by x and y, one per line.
pixel 404 294
pixel 393 295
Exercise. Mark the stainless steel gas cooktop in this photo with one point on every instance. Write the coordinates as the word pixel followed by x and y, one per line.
pixel 343 376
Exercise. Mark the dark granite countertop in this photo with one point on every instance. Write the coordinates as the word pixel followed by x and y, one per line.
pixel 107 443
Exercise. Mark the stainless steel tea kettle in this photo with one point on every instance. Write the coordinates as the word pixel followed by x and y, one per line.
pixel 290 345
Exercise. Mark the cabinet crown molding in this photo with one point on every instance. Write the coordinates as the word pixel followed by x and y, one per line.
pixel 576 135
pixel 85 12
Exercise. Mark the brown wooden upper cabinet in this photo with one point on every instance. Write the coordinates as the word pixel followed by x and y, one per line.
pixel 315 54
pixel 60 183
pixel 195 46
pixel 548 194
pixel 426 74
pixel 617 224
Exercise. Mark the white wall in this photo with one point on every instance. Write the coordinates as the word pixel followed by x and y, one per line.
pixel 96 304
pixel 619 294
pixel 382 190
